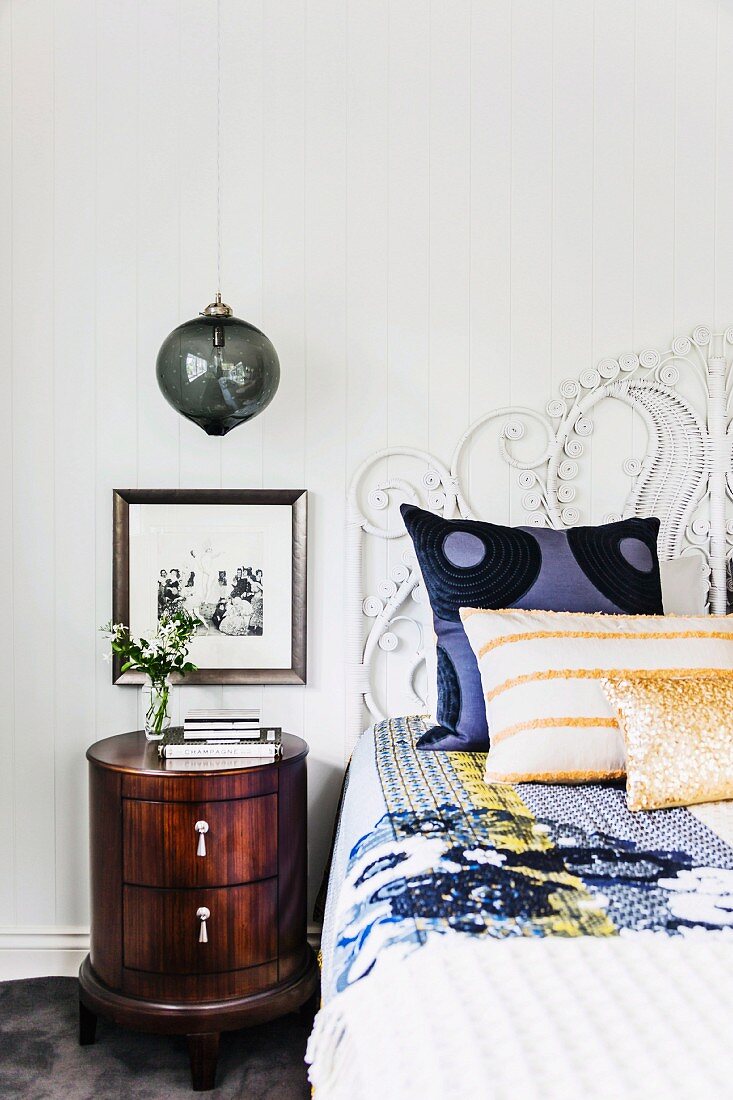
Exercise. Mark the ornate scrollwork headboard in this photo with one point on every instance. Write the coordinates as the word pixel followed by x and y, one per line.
pixel 684 476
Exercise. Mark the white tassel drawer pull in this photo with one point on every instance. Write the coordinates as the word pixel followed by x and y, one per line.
pixel 201 828
pixel 203 915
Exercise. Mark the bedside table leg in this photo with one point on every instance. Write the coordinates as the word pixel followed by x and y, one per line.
pixel 203 1050
pixel 87 1025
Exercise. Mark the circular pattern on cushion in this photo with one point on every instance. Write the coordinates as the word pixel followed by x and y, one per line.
pixel 463 549
pixel 603 554
pixel 637 554
pixel 507 569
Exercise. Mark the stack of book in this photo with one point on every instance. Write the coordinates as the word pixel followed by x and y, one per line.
pixel 222 734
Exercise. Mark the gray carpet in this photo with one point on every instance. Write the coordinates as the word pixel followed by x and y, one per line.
pixel 40 1058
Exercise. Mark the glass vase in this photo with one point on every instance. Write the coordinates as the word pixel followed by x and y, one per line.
pixel 156 699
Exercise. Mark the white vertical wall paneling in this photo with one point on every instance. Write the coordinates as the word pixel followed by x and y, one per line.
pixel 284 275
pixel 200 455
pixel 368 269
pixel 241 168
pixel 116 335
pixel 325 450
pixel 613 235
pixel 408 222
pixel 7 677
pixel 243 94
pixel 613 232
pixel 431 209
pixel 654 167
pixel 448 317
pixel 74 442
pixel 723 169
pixel 158 260
pixel 196 49
pixel 399 64
pixel 242 158
pixel 572 205
pixel 572 191
pixel 368 235
pixel 654 182
pixel 489 242
pixel 531 238
pixel 695 244
pixel 33 460
pixel 158 236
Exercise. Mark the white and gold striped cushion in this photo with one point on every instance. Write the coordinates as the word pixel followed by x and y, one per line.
pixel 541 673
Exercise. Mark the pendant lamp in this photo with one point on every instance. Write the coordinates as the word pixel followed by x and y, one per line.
pixel 216 370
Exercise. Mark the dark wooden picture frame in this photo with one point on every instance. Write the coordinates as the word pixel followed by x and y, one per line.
pixel 295 498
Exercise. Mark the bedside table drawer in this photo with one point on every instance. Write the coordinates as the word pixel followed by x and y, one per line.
pixel 171 844
pixel 163 928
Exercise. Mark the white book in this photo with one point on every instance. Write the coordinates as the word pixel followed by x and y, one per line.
pixel 248 714
pixel 182 752
pixel 255 736
pixel 202 729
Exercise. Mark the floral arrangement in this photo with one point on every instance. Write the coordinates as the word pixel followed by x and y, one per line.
pixel 166 652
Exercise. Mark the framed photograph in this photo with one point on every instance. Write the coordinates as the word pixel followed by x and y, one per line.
pixel 234 557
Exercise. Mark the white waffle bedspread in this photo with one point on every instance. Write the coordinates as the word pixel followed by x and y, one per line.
pixel 629 1016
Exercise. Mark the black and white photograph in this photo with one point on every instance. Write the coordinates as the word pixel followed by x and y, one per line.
pixel 234 560
pixel 227 599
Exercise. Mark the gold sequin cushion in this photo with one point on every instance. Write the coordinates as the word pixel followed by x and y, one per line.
pixel 678 733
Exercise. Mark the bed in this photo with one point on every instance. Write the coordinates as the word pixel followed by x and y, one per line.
pixel 527 939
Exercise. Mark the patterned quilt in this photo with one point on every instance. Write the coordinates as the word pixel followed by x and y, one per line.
pixel 425 848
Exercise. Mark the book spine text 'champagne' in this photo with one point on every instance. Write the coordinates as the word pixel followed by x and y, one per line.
pixel 220 750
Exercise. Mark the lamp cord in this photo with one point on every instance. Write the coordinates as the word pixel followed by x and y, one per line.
pixel 218 147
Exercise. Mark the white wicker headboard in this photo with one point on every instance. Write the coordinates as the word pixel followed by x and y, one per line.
pixel 683 475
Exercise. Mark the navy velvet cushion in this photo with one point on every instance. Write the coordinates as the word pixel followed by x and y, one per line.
pixel 612 568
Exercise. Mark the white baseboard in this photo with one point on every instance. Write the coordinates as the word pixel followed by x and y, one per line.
pixel 37 952
pixel 42 951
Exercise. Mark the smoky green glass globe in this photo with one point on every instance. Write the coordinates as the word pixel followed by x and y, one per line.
pixel 218 372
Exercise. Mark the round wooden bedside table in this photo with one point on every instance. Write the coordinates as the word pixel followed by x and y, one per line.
pixel 195 930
